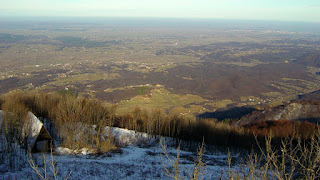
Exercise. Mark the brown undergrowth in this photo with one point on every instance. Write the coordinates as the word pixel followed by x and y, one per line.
pixel 74 119
pixel 79 122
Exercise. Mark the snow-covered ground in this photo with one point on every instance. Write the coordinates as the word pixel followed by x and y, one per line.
pixel 141 157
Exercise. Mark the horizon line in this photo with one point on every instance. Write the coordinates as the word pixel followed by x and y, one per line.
pixel 153 17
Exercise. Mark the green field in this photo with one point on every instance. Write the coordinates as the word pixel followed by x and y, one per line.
pixel 160 98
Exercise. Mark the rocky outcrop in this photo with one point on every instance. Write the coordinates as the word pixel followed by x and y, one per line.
pixel 297 111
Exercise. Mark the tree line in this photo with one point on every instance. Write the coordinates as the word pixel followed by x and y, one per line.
pixel 76 118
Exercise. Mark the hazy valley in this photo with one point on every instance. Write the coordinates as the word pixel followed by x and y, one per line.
pixel 224 83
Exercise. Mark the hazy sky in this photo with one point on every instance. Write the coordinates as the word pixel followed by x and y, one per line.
pixel 296 10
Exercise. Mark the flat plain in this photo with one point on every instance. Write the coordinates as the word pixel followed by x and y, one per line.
pixel 182 69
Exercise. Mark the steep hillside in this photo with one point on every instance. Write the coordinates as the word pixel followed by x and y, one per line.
pixel 298 110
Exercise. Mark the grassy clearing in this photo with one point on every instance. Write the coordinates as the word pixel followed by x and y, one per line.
pixel 164 67
pixel 222 104
pixel 271 94
pixel 141 88
pixel 161 98
pixel 81 77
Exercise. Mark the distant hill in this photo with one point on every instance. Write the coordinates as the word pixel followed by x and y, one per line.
pixel 299 110
pixel 310 60
pixel 228 113
pixel 315 95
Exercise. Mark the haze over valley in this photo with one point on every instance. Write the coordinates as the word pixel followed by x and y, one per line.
pixel 98 95
pixel 200 66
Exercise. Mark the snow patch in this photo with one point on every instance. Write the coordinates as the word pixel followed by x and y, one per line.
pixel 66 151
pixel 126 136
pixel 62 151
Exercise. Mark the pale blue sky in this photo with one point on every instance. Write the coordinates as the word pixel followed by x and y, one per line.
pixel 293 10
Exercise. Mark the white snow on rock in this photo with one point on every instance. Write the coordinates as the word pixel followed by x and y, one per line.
pixel 62 151
pixel 123 137
pixel 66 151
pixel 126 136
pixel 32 129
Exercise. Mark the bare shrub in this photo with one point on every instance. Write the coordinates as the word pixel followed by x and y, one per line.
pixel 175 170
pixel 291 160
pixel 173 163
pixel 15 114
pixel 49 169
